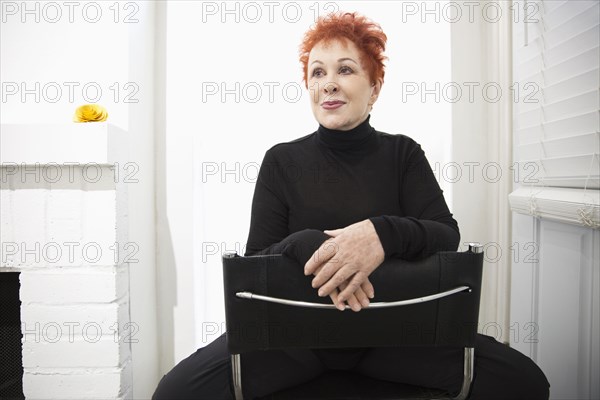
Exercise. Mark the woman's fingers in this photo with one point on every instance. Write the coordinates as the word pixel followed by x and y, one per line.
pixel 353 285
pixel 356 294
pixel 333 232
pixel 357 300
pixel 330 276
pixel 338 304
pixel 352 301
pixel 368 288
pixel 327 279
pixel 346 280
pixel 321 256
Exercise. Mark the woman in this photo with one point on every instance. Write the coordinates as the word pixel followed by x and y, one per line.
pixel 340 201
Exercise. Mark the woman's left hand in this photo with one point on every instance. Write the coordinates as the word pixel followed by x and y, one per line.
pixel 351 255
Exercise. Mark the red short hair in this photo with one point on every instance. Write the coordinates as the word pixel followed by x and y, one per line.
pixel 364 33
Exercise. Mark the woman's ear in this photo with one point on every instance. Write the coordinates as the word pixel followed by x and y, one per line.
pixel 375 90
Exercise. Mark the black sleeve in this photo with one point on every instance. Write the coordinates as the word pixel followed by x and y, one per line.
pixel 269 219
pixel 427 226
pixel 269 216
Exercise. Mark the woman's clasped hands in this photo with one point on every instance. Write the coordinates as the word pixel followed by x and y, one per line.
pixel 343 263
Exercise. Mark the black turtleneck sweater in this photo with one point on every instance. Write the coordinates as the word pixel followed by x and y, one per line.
pixel 331 179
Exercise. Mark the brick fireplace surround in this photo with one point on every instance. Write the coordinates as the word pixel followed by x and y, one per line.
pixel 63 200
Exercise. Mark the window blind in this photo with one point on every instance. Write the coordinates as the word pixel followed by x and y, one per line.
pixel 556 115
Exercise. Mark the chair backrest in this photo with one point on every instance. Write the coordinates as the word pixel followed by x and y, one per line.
pixel 262 309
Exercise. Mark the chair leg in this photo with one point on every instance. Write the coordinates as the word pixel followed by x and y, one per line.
pixel 236 368
pixel 468 368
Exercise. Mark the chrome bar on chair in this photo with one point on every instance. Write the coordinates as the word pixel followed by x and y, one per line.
pixel 236 368
pixel 469 360
pixel 468 369
pixel 475 247
pixel 296 303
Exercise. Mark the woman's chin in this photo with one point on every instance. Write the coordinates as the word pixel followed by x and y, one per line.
pixel 333 122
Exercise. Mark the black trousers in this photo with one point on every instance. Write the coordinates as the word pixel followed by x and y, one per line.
pixel 500 372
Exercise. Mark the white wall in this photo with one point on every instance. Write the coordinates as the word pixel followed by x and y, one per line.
pixel 62 64
pixel 142 203
pixel 481 148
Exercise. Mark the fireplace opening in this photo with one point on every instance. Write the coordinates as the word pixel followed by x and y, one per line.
pixel 11 354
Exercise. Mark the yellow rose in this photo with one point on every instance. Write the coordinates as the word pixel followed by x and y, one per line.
pixel 90 113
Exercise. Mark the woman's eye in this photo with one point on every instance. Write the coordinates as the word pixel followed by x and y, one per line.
pixel 317 72
pixel 346 70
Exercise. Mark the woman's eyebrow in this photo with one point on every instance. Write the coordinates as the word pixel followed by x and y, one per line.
pixel 347 59
pixel 339 60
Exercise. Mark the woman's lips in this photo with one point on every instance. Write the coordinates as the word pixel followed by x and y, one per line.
pixel 332 105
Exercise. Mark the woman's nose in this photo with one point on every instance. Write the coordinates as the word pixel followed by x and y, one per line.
pixel 330 87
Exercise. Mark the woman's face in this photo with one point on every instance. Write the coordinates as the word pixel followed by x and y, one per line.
pixel 342 94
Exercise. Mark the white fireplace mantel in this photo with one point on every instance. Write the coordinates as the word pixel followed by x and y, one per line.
pixel 80 143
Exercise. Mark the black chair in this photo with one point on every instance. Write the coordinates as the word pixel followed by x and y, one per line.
pixel 270 304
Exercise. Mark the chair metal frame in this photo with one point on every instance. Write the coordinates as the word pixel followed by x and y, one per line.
pixel 469 352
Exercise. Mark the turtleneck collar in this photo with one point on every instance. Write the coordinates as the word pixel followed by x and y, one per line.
pixel 356 137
